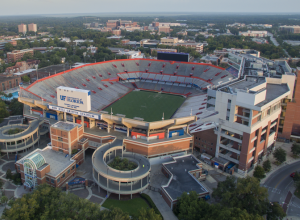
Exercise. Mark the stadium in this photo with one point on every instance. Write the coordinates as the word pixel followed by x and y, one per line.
pixel 137 107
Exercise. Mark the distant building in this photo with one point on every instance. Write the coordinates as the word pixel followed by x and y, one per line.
pixel 212 59
pixel 116 32
pixel 113 24
pixel 32 27
pixel 164 29
pixel 94 24
pixel 169 41
pixel 163 50
pixel 131 54
pixel 254 33
pixel 260 40
pixel 197 46
pixel 22 66
pixel 22 28
pixel 183 33
pixel 9 82
pixel 3 42
pixel 295 29
pixel 16 55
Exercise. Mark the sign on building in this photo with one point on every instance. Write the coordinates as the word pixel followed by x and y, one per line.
pixel 78 99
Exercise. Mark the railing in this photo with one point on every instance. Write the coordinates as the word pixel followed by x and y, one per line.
pixel 229 158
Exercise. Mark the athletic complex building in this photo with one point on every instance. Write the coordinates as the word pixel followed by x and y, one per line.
pixel 142 109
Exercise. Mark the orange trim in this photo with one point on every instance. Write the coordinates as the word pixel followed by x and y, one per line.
pixel 121 60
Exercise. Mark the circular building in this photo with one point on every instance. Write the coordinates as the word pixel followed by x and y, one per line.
pixel 119 181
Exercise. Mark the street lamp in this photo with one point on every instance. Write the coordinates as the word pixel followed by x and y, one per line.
pixel 36 68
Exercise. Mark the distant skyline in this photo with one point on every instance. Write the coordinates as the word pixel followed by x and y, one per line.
pixel 38 7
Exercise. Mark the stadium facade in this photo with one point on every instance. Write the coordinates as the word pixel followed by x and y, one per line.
pixel 227 105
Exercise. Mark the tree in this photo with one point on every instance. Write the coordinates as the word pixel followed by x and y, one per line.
pixel 267 165
pixel 280 155
pixel 259 172
pixel 113 214
pixel 8 174
pixel 148 214
pixel 295 149
pixel 4 200
pixel 296 177
pixel 16 107
pixel 25 78
pixel 275 211
pixel 244 193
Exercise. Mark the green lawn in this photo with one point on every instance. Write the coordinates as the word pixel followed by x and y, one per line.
pixel 132 206
pixel 147 105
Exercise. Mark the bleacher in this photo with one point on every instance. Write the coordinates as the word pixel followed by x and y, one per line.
pixel 172 77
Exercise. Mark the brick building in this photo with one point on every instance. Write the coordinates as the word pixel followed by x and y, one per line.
pixel 9 81
pixel 295 29
pixel 16 55
pixel 32 27
pixel 116 32
pixel 112 24
pixel 164 29
pixel 289 118
pixel 22 28
pixel 54 164
pixel 22 66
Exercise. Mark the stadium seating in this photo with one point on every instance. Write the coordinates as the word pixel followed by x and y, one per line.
pixel 172 77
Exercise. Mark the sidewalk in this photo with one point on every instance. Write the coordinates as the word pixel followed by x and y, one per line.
pixel 274 167
pixel 162 206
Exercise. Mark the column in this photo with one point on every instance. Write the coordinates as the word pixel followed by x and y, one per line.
pixel 30 109
pixel 107 183
pixel 131 189
pixel 73 118
pixel 83 148
pixel 218 141
pixel 82 122
pixel 44 113
pixel 16 144
pixel 65 116
pixel 127 132
pixel 6 145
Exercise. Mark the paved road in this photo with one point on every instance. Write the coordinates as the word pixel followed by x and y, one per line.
pixel 273 39
pixel 279 184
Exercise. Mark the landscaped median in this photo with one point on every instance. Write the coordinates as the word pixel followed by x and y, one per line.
pixel 132 206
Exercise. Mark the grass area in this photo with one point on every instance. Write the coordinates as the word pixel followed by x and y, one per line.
pixel 122 164
pixel 132 206
pixel 15 131
pixel 147 105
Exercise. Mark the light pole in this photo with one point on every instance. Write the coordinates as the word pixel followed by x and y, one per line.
pixel 84 55
pixel 36 68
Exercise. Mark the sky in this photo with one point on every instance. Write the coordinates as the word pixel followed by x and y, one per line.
pixel 32 7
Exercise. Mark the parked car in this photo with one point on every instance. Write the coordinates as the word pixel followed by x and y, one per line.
pixel 292 175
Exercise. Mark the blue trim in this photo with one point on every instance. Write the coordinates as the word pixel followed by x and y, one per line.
pixel 89 93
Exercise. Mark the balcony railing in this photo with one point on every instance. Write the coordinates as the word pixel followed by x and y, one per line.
pixel 229 158
pixel 229 147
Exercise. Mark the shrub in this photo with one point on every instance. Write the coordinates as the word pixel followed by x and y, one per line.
pixel 280 155
pixel 8 174
pixel 259 172
pixel 267 165
pixel 151 203
pixel 74 151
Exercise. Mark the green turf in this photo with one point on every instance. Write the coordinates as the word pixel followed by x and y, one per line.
pixel 132 206
pixel 147 105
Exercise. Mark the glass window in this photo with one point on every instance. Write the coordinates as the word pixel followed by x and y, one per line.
pixel 47 179
pixel 73 167
pixel 52 181
pixel 58 180
pixel 63 176
pixel 68 171
pixel 229 100
pixel 59 138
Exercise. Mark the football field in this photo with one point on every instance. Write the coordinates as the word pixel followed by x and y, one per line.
pixel 147 105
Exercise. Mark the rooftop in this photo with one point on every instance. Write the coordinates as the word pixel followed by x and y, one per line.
pixel 273 92
pixel 182 181
pixel 67 126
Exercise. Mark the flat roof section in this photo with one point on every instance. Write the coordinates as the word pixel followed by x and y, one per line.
pixel 248 83
pixel 57 160
pixel 273 92
pixel 182 181
pixel 66 126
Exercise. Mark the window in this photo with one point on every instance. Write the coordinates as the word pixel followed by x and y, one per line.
pixel 10 84
pixel 212 144
pixel 52 181
pixel 229 100
pixel 227 118
pixel 3 87
pixel 47 179
pixel 63 176
pixel 18 167
pixel 58 180
pixel 210 148
pixel 59 138
pixel 73 167
pixel 68 171
pixel 196 138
